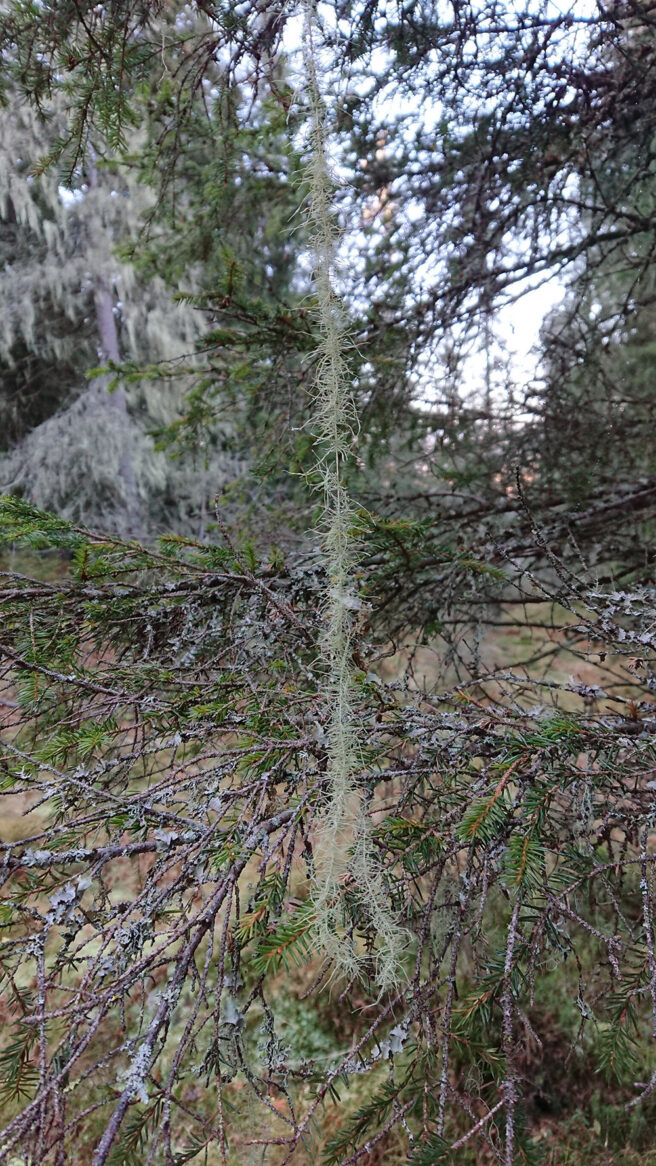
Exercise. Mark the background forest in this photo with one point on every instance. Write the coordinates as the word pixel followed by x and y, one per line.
pixel 327 763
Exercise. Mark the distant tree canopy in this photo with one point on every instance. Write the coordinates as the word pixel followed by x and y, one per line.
pixel 71 306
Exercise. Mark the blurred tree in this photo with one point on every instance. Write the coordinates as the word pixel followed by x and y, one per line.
pixel 70 306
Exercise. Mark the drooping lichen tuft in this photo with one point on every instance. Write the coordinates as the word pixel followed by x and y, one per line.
pixel 344 853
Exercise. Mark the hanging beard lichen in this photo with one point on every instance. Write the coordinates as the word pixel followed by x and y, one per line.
pixel 344 853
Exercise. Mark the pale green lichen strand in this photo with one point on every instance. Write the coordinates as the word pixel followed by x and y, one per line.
pixel 344 852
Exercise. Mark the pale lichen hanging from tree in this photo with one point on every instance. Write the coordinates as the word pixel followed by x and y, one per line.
pixel 344 852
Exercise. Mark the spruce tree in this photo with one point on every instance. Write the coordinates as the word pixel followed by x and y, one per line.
pixel 177 728
pixel 85 449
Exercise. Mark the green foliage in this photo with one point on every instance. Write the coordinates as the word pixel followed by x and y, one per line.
pixel 289 939
pixel 139 1128
pixel 19 1075
pixel 486 818
pixel 371 1117
pixel 525 861
pixel 617 1053
pixel 22 522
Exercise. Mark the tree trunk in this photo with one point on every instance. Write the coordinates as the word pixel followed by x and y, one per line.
pixel 109 351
